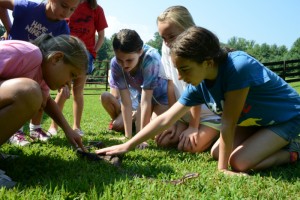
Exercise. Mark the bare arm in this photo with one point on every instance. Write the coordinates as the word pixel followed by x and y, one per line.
pixel 100 40
pixel 195 116
pixel 233 106
pixel 4 5
pixel 155 127
pixel 146 107
pixel 126 110
pixel 54 112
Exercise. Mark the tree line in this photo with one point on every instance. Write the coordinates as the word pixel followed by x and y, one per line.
pixel 262 52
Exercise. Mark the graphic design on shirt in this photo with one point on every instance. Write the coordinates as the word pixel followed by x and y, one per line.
pixel 36 29
pixel 214 108
pixel 250 122
pixel 85 20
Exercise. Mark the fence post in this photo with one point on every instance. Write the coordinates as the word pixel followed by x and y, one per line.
pixel 106 77
pixel 284 70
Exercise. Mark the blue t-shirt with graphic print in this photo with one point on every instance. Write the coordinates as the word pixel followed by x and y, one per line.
pixel 270 100
pixel 146 76
pixel 30 21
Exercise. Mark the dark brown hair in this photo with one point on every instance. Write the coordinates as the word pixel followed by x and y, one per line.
pixel 199 44
pixel 127 41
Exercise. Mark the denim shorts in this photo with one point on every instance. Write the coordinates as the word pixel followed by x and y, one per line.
pixel 90 64
pixel 289 130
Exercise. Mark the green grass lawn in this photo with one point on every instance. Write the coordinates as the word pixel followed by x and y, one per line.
pixel 52 170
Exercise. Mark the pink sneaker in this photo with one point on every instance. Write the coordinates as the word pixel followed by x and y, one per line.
pixel 39 134
pixel 19 139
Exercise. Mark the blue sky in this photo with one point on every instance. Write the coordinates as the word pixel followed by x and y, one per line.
pixel 264 21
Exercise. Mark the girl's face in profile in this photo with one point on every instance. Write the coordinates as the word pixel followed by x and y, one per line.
pixel 190 71
pixel 128 61
pixel 57 73
pixel 168 31
pixel 61 9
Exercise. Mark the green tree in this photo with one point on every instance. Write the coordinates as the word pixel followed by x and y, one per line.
pixel 105 52
pixel 295 50
pixel 156 42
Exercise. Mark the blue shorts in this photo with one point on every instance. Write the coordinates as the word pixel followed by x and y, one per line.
pixel 91 64
pixel 289 130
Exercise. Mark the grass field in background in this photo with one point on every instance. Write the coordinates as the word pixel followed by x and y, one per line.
pixel 52 170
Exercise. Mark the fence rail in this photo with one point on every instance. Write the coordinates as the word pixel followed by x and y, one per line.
pixel 289 70
pixel 100 80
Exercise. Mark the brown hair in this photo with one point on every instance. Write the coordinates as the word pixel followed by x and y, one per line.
pixel 74 50
pixel 127 41
pixel 198 44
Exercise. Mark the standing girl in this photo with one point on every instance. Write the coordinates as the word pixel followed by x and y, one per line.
pixel 87 19
pixel 31 20
pixel 260 111
pixel 137 65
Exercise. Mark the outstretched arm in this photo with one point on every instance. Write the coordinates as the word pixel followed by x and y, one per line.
pixel 155 127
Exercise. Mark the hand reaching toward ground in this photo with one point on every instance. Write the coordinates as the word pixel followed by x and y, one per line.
pixel 114 150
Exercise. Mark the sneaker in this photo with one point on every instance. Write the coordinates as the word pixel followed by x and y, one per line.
pixel 52 132
pixel 5 181
pixel 80 132
pixel 39 134
pixel 19 139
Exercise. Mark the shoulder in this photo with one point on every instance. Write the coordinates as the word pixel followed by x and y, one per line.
pixel 26 3
pixel 99 8
pixel 21 54
pixel 241 61
pixel 151 52
pixel 19 46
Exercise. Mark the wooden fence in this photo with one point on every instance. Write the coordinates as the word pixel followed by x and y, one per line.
pixel 288 70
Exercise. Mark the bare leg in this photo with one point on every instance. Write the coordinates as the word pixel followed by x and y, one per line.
pixel 241 134
pixel 78 100
pixel 37 118
pixel 260 151
pixel 20 99
pixel 60 99
pixel 110 104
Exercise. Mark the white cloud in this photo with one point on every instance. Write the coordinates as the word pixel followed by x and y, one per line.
pixel 114 26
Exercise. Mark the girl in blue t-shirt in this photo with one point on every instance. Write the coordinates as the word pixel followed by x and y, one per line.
pixel 260 112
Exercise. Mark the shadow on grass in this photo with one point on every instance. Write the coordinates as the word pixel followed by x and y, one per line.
pixel 55 166
pixel 289 172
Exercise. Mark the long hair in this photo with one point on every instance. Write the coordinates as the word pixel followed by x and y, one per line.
pixel 199 44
